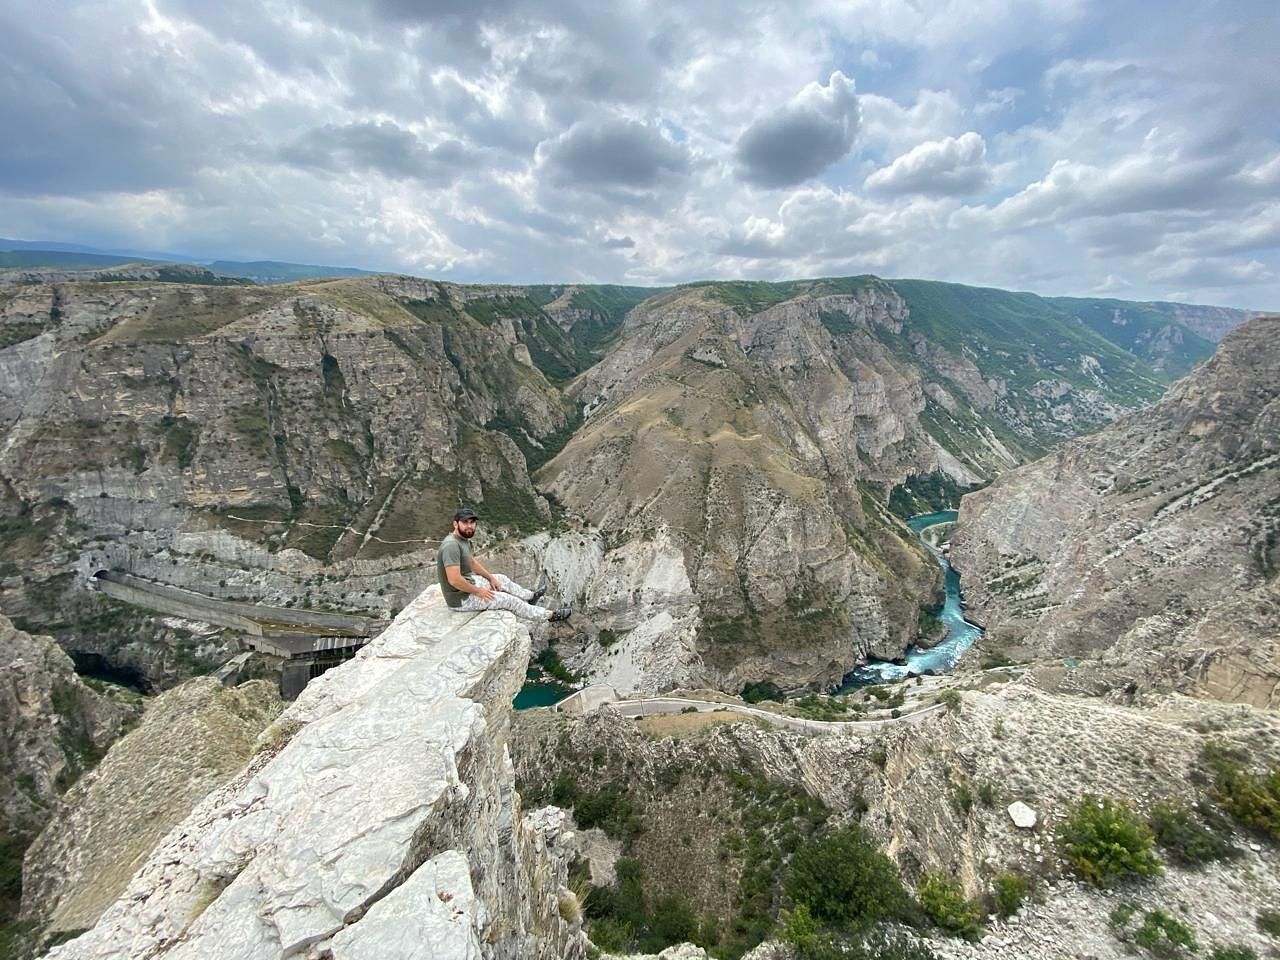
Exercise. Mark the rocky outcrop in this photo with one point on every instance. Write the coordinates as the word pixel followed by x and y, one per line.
pixel 305 443
pixel 379 815
pixel 934 795
pixel 252 440
pixel 191 740
pixel 746 442
pixel 52 727
pixel 1154 544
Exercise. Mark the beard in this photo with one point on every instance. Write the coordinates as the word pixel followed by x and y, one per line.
pixel 464 533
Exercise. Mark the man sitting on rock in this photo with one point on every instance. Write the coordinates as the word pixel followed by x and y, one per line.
pixel 468 592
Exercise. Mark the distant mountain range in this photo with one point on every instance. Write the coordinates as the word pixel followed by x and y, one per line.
pixel 25 254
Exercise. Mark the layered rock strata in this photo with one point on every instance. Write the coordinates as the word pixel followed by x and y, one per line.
pixel 379 819
pixel 1154 544
pixel 285 444
pixel 740 446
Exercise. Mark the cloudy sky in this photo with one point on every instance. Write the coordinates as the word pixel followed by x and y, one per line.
pixel 1062 146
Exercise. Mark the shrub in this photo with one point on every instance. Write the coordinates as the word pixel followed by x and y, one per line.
pixel 1233 952
pixel 810 943
pixel 987 793
pixel 1103 841
pixel 844 881
pixel 609 809
pixel 1164 935
pixel 1268 922
pixel 1184 838
pixel 1010 890
pixel 756 692
pixel 944 901
pixel 550 662
pixel 1251 798
pixel 950 697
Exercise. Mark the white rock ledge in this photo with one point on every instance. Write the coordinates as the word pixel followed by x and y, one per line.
pixel 387 826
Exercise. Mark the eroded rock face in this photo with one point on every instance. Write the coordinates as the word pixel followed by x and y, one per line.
pixel 277 443
pixel 52 727
pixel 936 795
pixel 742 441
pixel 380 815
pixel 191 740
pixel 1154 544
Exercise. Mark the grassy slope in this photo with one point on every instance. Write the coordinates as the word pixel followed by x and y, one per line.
pixel 1023 338
pixel 1134 327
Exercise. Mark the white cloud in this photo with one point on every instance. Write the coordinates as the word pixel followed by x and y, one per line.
pixel 954 165
pixel 896 128
pixel 1068 147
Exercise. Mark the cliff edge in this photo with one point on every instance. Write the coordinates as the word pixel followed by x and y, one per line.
pixel 378 819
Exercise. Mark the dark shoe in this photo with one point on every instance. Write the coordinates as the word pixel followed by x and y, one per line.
pixel 564 613
pixel 538 594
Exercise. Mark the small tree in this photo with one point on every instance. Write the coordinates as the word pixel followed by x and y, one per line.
pixel 844 881
pixel 1103 841
pixel 950 697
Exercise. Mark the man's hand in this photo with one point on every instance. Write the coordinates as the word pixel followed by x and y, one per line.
pixel 493 581
pixel 484 593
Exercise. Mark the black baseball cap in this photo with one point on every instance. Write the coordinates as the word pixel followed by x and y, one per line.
pixel 465 513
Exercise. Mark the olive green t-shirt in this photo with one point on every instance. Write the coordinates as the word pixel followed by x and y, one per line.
pixel 454 551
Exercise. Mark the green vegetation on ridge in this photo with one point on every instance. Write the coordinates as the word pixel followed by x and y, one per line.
pixel 1022 338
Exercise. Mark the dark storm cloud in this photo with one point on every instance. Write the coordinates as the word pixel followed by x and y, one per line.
pixel 803 138
pixel 621 153
pixel 385 147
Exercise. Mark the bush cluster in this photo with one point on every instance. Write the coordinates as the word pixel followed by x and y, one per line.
pixel 843 881
pixel 609 808
pixel 763 690
pixel 1009 890
pixel 1233 952
pixel 811 943
pixel 1253 799
pixel 1104 841
pixel 624 918
pixel 1185 838
pixel 944 901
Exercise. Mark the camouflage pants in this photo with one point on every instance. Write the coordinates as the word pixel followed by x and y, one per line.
pixel 509 596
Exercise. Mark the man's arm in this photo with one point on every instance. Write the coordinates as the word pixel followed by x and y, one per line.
pixel 453 573
pixel 478 567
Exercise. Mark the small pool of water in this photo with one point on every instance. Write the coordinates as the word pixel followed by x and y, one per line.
pixel 961 634
pixel 539 695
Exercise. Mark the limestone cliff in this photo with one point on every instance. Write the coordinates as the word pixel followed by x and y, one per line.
pixel 711 806
pixel 53 727
pixel 289 444
pixel 379 817
pixel 304 444
pixel 749 434
pixel 191 740
pixel 1154 544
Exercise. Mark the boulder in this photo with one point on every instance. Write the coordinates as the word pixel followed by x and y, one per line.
pixel 1023 817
